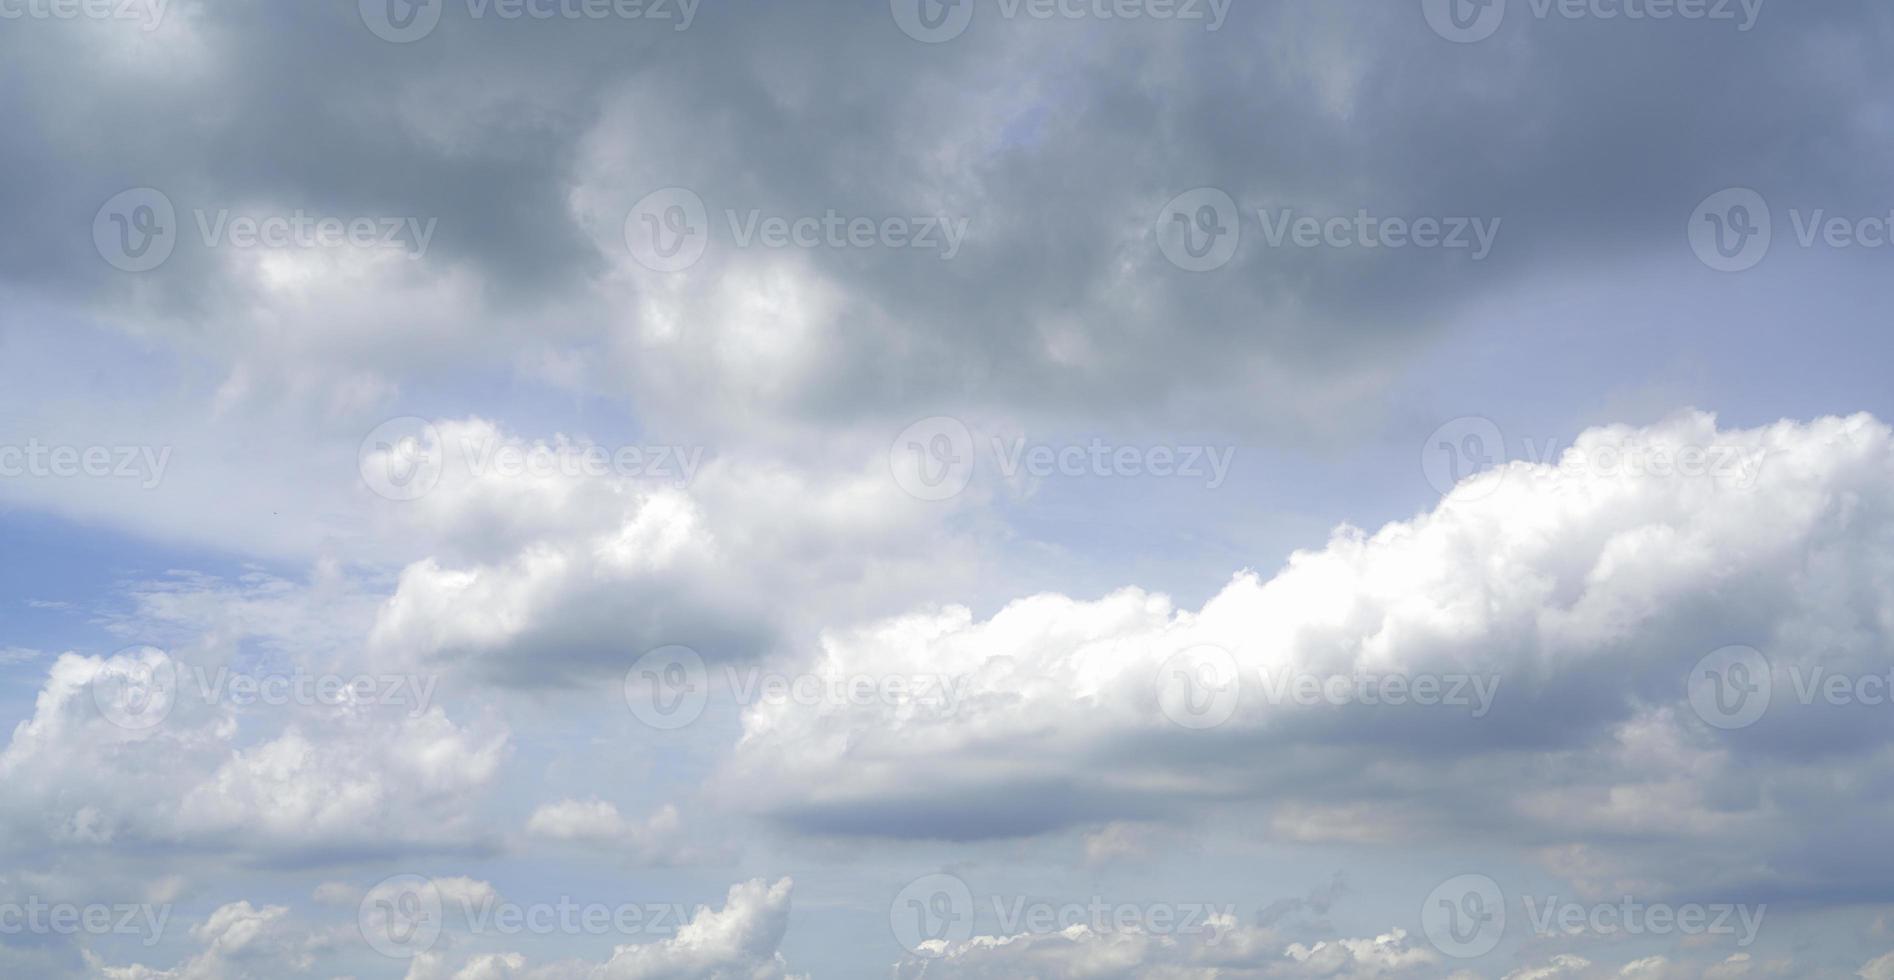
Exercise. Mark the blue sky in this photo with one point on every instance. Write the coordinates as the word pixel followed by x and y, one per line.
pixel 723 490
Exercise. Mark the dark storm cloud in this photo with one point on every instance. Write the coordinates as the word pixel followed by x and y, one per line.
pixel 1056 140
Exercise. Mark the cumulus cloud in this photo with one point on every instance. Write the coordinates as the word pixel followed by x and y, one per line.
pixel 736 942
pixel 1564 605
pixel 240 942
pixel 533 169
pixel 1226 950
pixel 122 751
pixel 597 824
pixel 560 574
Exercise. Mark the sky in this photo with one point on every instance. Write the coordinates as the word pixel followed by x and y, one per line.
pixel 1172 489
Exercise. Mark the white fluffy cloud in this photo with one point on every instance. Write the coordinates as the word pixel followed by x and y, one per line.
pixel 560 575
pixel 88 770
pixel 1226 950
pixel 1566 606
pixel 241 942
pixel 736 942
